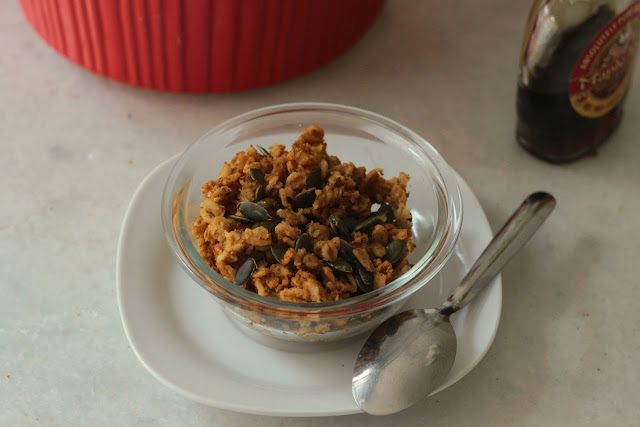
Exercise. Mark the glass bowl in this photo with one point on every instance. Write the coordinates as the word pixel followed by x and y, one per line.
pixel 354 135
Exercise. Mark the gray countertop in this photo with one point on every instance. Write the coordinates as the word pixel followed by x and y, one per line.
pixel 74 147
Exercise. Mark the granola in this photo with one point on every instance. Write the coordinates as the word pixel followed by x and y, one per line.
pixel 298 225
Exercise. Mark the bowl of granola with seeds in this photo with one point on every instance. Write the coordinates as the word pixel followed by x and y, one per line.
pixel 311 222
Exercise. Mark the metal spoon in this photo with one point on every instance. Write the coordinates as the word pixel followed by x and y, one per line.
pixel 411 353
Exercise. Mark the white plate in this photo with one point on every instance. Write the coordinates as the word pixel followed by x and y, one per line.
pixel 182 337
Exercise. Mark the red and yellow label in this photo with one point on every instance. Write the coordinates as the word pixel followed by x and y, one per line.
pixel 602 74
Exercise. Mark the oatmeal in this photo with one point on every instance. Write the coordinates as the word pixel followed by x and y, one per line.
pixel 298 225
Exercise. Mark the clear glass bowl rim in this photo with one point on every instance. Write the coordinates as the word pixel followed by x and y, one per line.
pixel 395 291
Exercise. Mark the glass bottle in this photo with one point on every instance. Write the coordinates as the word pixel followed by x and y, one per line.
pixel 575 69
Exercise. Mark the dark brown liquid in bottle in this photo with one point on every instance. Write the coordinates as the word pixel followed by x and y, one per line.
pixel 548 126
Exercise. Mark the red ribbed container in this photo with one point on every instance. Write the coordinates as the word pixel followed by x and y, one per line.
pixel 201 45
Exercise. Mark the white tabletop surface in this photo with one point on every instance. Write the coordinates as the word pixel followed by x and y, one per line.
pixel 74 146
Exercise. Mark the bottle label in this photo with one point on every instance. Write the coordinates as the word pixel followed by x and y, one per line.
pixel 601 76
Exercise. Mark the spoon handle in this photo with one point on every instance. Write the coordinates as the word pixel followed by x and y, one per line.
pixel 512 236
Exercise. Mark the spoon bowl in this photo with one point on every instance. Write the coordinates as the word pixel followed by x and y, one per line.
pixel 402 340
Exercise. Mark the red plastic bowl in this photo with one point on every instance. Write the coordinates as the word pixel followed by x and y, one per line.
pixel 201 45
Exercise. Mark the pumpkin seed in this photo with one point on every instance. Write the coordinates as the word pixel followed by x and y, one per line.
pixel 264 151
pixel 367 223
pixel 304 242
pixel 338 226
pixel 313 179
pixel 241 219
pixel 340 265
pixel 350 222
pixel 254 211
pixel 257 175
pixel 362 286
pixel 385 213
pixel 395 248
pixel 269 225
pixel 304 200
pixel 367 278
pixel 267 203
pixel 278 252
pixel 259 193
pixel 245 271
pixel 347 252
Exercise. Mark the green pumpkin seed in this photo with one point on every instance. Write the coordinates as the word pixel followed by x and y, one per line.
pixel 362 286
pixel 278 252
pixel 304 199
pixel 254 211
pixel 259 193
pixel 367 223
pixel 264 151
pixel 267 203
pixel 313 179
pixel 367 278
pixel 395 248
pixel 269 225
pixel 245 271
pixel 304 242
pixel 350 222
pixel 385 213
pixel 346 250
pixel 241 219
pixel 257 175
pixel 338 226
pixel 340 265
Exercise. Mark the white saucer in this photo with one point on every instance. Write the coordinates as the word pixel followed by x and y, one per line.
pixel 180 334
